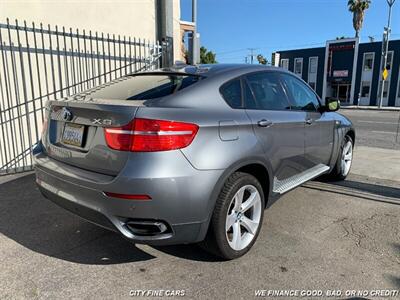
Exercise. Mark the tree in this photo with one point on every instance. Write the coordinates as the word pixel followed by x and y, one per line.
pixel 358 8
pixel 261 59
pixel 207 57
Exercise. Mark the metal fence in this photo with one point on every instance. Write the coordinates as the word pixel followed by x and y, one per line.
pixel 38 64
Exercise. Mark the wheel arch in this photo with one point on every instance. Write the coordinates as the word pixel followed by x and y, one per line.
pixel 351 132
pixel 259 168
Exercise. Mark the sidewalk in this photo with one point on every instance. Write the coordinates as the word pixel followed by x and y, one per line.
pixel 386 108
pixel 376 163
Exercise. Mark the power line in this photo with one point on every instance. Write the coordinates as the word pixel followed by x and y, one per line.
pixel 291 46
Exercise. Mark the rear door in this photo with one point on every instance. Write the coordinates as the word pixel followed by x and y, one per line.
pixel 318 126
pixel 280 129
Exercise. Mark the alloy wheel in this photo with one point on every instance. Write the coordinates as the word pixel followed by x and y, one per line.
pixel 347 158
pixel 243 217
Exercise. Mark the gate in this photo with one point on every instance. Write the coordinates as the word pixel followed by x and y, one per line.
pixel 38 64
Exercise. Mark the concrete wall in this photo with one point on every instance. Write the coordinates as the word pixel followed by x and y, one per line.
pixel 135 18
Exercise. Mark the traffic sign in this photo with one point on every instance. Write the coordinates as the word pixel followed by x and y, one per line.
pixel 385 74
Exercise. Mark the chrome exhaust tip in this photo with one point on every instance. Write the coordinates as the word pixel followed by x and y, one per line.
pixel 146 228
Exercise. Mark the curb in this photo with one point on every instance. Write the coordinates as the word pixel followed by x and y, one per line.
pixel 376 108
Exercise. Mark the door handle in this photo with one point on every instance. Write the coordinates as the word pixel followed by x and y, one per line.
pixel 264 123
pixel 309 121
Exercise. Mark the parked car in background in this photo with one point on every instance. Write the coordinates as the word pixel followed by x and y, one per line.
pixel 190 154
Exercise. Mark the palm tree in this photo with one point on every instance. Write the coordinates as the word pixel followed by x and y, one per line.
pixel 358 8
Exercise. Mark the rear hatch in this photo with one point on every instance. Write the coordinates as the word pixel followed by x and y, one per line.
pixel 75 130
pixel 75 133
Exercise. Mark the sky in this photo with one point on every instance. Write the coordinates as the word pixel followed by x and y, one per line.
pixel 230 27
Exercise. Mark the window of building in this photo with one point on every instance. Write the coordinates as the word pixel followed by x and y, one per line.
pixel 385 90
pixel 388 80
pixel 389 61
pixel 365 89
pixel 398 87
pixel 298 66
pixel 312 85
pixel 313 65
pixel 232 93
pixel 303 97
pixel 267 91
pixel 285 64
pixel 368 61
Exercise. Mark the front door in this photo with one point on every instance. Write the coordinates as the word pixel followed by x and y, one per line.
pixel 318 127
pixel 280 129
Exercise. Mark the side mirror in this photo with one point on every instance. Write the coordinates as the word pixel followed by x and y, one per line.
pixel 332 104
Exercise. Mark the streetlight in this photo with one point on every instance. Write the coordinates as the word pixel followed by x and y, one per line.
pixel 385 48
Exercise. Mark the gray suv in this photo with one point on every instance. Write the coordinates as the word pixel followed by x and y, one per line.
pixel 189 154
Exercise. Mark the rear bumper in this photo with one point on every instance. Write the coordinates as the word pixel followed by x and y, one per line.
pixel 182 198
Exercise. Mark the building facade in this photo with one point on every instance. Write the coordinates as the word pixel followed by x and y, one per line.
pixel 150 20
pixel 348 70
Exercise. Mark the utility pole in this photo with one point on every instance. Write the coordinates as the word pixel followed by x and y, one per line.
pixel 385 48
pixel 251 54
pixel 195 40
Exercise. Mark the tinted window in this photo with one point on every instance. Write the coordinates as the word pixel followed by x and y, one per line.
pixel 144 87
pixel 303 97
pixel 232 93
pixel 156 86
pixel 267 91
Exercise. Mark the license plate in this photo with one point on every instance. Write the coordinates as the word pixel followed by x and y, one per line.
pixel 73 134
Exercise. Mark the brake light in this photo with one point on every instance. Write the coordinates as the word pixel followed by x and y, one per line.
pixel 147 135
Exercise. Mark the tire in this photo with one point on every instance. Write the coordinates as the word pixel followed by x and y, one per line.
pixel 245 218
pixel 343 165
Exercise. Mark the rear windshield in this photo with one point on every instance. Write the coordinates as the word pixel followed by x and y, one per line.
pixel 145 87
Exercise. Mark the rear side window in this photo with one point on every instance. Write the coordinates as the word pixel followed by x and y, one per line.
pixel 232 93
pixel 267 92
pixel 145 86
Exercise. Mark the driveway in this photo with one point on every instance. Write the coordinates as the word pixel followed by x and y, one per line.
pixel 321 236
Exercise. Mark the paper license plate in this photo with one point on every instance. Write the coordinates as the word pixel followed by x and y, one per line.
pixel 73 134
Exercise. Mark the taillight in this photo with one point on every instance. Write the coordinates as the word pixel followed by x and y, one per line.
pixel 146 135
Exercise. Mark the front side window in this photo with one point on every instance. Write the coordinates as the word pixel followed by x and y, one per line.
pixel 266 92
pixel 232 93
pixel 302 96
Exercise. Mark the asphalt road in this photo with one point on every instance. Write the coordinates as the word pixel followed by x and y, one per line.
pixel 320 237
pixel 375 128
